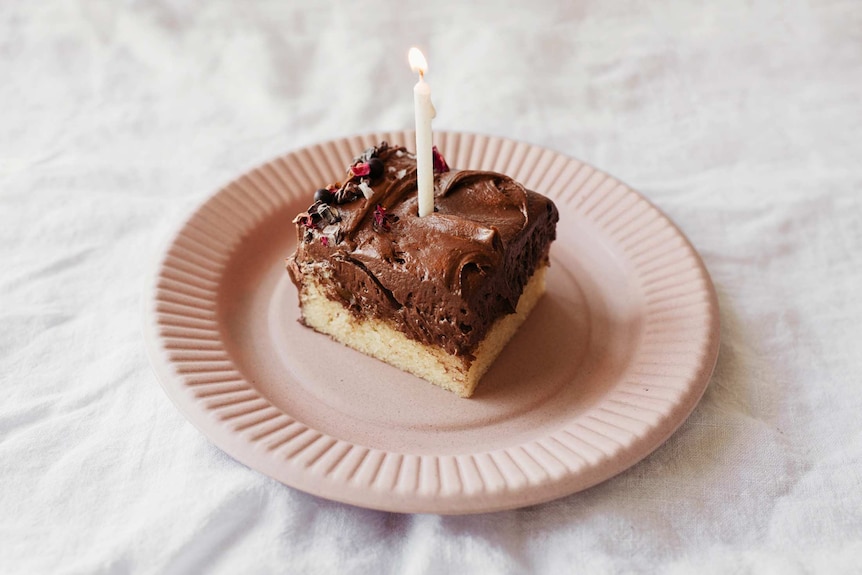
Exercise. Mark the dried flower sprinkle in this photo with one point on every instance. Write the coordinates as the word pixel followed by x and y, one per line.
pixel 382 220
pixel 440 165
pixel 360 169
pixel 307 220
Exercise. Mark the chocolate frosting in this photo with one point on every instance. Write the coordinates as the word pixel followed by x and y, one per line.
pixel 442 279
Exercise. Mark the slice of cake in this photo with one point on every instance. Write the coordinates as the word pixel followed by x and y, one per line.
pixel 437 296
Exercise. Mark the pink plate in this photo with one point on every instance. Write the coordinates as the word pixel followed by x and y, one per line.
pixel 610 363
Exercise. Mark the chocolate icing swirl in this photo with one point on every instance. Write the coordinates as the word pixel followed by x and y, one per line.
pixel 441 279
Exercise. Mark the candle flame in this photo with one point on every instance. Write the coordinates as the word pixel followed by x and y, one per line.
pixel 417 61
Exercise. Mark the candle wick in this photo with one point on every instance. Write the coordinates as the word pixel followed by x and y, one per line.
pixel 421 75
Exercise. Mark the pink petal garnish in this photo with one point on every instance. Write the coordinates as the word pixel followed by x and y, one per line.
pixel 440 165
pixel 380 218
pixel 325 241
pixel 361 169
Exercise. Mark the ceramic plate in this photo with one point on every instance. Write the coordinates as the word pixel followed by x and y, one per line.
pixel 609 364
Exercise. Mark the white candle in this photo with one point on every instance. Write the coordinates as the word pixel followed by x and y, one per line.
pixel 424 111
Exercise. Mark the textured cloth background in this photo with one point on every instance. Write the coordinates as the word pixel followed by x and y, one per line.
pixel 740 119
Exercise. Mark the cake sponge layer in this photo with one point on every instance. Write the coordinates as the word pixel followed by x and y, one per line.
pixel 379 339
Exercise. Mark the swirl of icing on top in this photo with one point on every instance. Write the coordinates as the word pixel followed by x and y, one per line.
pixel 469 259
pixel 476 214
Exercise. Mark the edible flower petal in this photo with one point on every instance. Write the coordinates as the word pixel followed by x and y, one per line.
pixel 382 220
pixel 440 165
pixel 360 169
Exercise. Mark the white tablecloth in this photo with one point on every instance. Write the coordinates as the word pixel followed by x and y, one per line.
pixel 740 119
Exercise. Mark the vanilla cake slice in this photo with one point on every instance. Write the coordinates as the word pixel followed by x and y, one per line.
pixel 437 296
